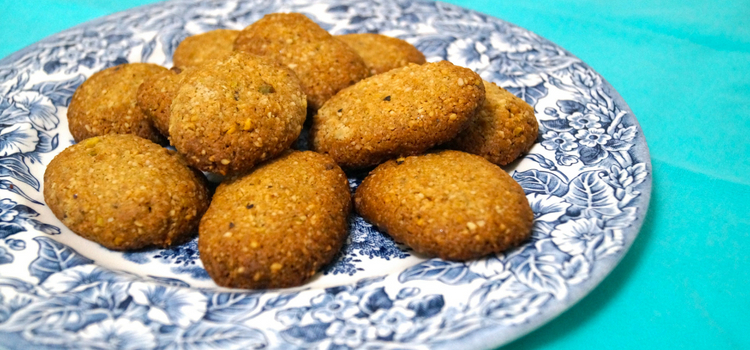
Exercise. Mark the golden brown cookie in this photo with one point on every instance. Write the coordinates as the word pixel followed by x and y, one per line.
pixel 276 226
pixel 197 49
pixel 382 53
pixel 323 64
pixel 504 128
pixel 404 111
pixel 449 204
pixel 155 96
pixel 125 192
pixel 106 103
pixel 231 114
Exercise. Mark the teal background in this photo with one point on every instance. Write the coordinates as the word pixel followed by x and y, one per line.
pixel 683 66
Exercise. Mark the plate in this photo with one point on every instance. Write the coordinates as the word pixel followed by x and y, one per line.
pixel 588 180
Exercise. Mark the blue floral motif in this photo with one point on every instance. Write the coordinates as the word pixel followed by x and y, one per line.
pixel 394 323
pixel 364 241
pixel 15 244
pixel 184 258
pixel 18 138
pixel 327 308
pixel 5 257
pixel 16 218
pixel 587 183
pixel 27 115
pixel 31 106
pixel 120 334
pixel 95 308
pixel 364 313
pixel 169 306
pixel 562 141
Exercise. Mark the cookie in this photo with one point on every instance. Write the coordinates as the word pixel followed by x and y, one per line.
pixel 323 64
pixel 231 114
pixel 449 204
pixel 504 128
pixel 382 53
pixel 125 192
pixel 155 96
pixel 198 49
pixel 276 226
pixel 106 103
pixel 404 111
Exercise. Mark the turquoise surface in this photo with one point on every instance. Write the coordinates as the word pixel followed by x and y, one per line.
pixel 684 69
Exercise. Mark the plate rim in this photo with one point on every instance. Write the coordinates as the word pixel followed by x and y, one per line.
pixel 487 337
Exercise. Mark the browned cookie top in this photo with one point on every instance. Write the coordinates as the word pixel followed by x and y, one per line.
pixel 449 204
pixel 276 226
pixel 197 49
pixel 125 192
pixel 404 111
pixel 382 53
pixel 504 128
pixel 231 114
pixel 323 64
pixel 106 103
pixel 155 97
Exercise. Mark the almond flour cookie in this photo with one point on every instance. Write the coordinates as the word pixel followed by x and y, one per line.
pixel 404 111
pixel 449 204
pixel 323 64
pixel 382 53
pixel 504 128
pixel 155 96
pixel 231 114
pixel 125 192
pixel 276 226
pixel 197 49
pixel 106 103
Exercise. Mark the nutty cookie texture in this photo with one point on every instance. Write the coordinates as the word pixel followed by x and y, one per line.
pixel 155 96
pixel 382 53
pixel 504 128
pixel 449 204
pixel 277 225
pixel 229 115
pixel 323 64
pixel 125 192
pixel 200 48
pixel 106 103
pixel 402 112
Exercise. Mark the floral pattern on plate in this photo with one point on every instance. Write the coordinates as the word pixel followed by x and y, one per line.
pixel 587 180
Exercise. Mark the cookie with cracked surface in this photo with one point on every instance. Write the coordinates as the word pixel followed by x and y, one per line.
pixel 503 129
pixel 229 115
pixel 106 103
pixel 402 112
pixel 200 48
pixel 323 64
pixel 278 225
pixel 449 204
pixel 125 192
pixel 382 53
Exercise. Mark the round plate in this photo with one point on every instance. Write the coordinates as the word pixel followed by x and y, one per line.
pixel 588 180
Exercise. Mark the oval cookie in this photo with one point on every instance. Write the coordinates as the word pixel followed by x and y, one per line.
pixel 106 103
pixel 404 111
pixel 200 48
pixel 382 53
pixel 231 114
pixel 276 226
pixel 323 64
pixel 449 204
pixel 125 192
pixel 504 128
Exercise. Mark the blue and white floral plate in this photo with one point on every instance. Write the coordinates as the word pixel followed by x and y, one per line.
pixel 588 181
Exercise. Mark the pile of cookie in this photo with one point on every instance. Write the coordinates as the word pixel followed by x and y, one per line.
pixel 233 106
